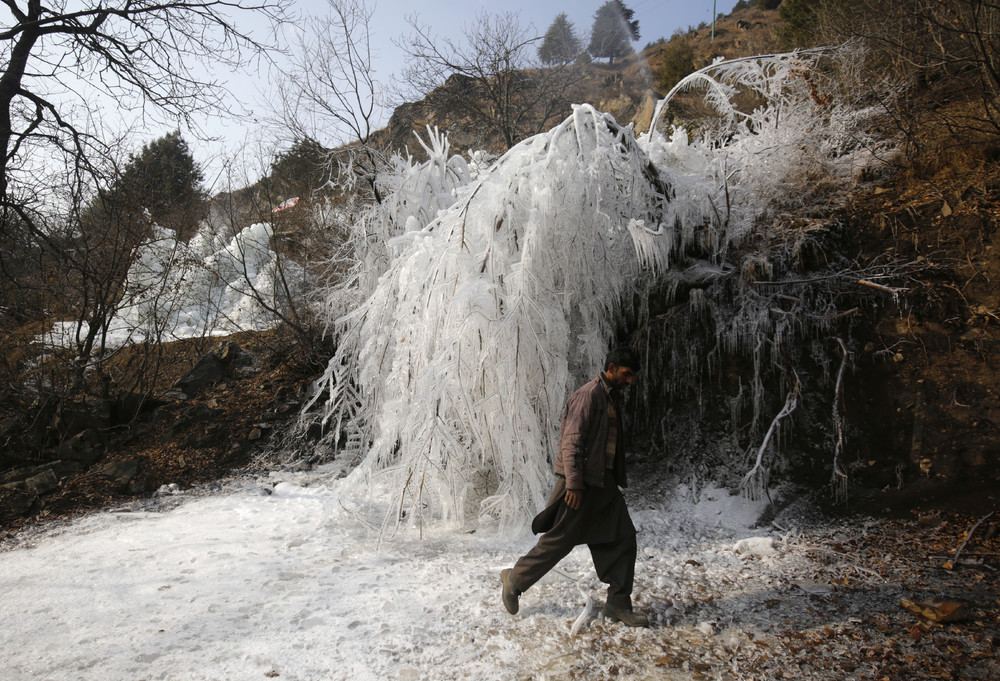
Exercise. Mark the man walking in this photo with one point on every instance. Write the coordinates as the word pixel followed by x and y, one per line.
pixel 586 506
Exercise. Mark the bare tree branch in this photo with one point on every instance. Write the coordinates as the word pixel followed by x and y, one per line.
pixel 130 50
pixel 330 89
pixel 493 76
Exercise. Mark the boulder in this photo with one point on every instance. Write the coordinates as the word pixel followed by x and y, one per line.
pixel 119 471
pixel 74 416
pixel 212 368
pixel 82 447
pixel 232 355
pixel 60 469
pixel 207 372
pixel 45 481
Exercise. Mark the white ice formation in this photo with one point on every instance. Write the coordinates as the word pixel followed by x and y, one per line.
pixel 483 295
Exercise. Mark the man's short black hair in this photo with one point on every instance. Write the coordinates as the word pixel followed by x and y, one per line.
pixel 622 357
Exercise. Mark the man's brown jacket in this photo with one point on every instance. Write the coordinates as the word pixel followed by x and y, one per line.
pixel 584 436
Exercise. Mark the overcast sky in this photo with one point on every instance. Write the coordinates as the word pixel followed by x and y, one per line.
pixel 657 18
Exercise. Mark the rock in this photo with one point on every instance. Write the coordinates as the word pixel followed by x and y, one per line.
pixel 644 116
pixel 119 471
pixel 129 405
pixel 15 503
pixel 232 354
pixel 74 416
pixel 211 369
pixel 58 468
pixel 168 490
pixel 42 483
pixel 207 372
pixel 82 447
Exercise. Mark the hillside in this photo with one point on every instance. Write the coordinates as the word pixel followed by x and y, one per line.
pixel 627 88
pixel 920 397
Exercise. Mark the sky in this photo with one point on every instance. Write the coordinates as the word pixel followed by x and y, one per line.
pixel 245 134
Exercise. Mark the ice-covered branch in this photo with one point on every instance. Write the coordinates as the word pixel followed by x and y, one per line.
pixel 485 291
pixel 755 481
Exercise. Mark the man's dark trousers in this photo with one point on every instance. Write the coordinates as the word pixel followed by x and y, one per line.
pixel 602 523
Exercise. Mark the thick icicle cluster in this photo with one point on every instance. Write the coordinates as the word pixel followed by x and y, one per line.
pixel 456 368
pixel 483 296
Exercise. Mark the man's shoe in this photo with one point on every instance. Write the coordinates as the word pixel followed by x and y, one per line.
pixel 627 616
pixel 510 592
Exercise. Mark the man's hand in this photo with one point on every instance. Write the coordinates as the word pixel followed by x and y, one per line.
pixel 573 498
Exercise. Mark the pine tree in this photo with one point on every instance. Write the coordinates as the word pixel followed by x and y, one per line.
pixel 560 44
pixel 613 32
pixel 165 180
pixel 300 170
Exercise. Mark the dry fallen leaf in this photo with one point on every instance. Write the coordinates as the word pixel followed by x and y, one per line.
pixel 936 610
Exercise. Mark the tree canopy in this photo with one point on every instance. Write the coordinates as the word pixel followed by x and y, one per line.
pixel 560 44
pixel 161 184
pixel 300 169
pixel 166 181
pixel 613 32
pixel 141 52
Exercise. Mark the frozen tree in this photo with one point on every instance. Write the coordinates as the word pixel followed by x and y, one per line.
pixel 212 285
pixel 460 355
pixel 484 294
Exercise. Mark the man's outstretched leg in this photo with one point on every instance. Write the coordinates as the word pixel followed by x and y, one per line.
pixel 615 565
pixel 551 548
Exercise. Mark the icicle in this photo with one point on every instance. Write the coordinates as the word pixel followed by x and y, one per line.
pixel 838 479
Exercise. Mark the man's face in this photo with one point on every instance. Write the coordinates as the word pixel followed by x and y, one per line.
pixel 619 377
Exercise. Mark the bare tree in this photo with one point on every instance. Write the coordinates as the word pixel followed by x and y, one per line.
pixel 942 48
pixel 330 88
pixel 139 53
pixel 494 76
pixel 65 68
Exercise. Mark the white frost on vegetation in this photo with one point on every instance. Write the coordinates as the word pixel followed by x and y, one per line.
pixel 210 286
pixel 481 299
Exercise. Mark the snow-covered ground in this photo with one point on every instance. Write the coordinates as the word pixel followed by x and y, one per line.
pixel 281 578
